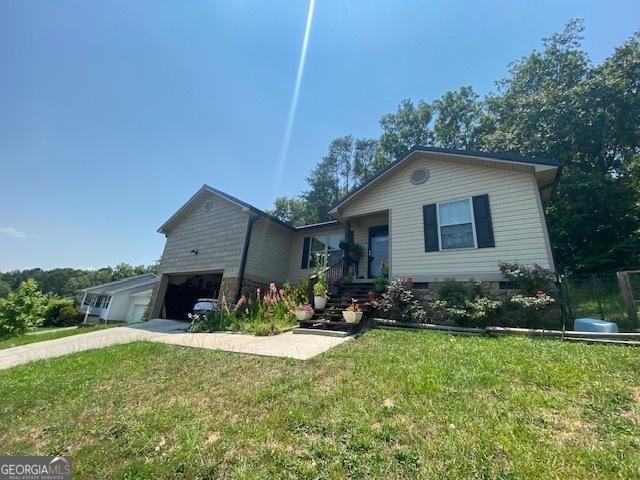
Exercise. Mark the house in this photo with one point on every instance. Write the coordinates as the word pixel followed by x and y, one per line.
pixel 122 300
pixel 431 215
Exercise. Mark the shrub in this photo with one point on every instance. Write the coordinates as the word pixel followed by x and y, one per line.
pixel 61 312
pixel 534 304
pixel 399 303
pixel 380 283
pixel 298 294
pixel 528 280
pixel 23 309
pixel 462 304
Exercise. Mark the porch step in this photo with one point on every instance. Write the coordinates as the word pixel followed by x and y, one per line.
pixel 324 333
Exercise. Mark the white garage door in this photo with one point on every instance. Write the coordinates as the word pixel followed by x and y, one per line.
pixel 136 312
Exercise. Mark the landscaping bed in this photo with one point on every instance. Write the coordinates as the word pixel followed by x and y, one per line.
pixel 390 404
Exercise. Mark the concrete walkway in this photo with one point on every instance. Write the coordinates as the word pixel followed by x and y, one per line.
pixel 300 347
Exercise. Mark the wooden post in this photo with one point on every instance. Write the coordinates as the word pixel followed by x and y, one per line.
pixel 345 255
pixel 627 295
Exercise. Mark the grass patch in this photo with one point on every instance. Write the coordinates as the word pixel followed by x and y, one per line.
pixel 386 405
pixel 32 337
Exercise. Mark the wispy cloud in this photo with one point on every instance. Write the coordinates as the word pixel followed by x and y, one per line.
pixel 16 233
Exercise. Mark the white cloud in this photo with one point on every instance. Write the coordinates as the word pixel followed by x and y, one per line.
pixel 16 233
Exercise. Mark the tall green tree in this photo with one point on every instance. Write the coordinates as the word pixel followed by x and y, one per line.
pixel 408 126
pixel 458 119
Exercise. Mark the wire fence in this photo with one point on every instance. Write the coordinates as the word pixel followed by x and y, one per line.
pixel 598 296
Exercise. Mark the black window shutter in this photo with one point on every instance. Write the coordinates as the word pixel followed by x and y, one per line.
pixel 305 252
pixel 482 217
pixel 430 219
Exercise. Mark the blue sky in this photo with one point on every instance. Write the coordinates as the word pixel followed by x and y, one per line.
pixel 112 114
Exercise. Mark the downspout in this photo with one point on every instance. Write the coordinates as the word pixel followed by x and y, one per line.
pixel 243 259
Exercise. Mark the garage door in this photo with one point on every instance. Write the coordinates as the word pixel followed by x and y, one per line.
pixel 136 312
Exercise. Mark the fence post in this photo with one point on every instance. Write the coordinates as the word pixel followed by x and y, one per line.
pixel 593 279
pixel 627 295
pixel 564 303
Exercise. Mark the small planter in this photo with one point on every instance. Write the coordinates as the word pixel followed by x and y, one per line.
pixel 303 315
pixel 319 302
pixel 351 317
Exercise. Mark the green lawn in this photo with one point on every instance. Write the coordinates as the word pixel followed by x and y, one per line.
pixel 39 337
pixel 390 404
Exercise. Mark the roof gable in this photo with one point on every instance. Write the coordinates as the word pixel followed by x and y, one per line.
pixel 547 171
pixel 207 190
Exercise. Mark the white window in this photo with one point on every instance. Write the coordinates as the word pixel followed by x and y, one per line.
pixel 456 226
pixel 325 247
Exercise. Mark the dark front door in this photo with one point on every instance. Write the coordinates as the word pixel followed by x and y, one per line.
pixel 379 251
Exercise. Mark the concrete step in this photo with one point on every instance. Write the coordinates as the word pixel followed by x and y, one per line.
pixel 324 333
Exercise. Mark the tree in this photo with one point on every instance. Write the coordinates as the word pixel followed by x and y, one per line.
pixel 364 167
pixel 407 127
pixel 458 119
pixel 593 227
pixel 5 288
pixel 22 309
pixel 294 211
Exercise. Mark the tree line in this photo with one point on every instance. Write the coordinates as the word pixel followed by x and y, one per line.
pixel 65 282
pixel 554 103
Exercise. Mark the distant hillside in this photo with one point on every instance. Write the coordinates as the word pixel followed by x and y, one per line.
pixel 65 281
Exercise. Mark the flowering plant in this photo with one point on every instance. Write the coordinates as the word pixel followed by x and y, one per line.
pixel 353 306
pixel 528 279
pixel 304 308
pixel 399 303
pixel 537 302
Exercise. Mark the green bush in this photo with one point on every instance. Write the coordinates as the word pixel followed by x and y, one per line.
pixel 61 312
pixel 23 309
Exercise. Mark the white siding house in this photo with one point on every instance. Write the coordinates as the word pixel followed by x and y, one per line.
pixel 124 300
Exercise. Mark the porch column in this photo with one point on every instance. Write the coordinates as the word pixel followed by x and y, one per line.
pixel 345 254
pixel 86 307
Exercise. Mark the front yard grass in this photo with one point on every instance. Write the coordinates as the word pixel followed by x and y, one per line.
pixel 386 405
pixel 33 337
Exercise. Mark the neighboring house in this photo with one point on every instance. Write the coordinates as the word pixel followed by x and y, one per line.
pixel 432 215
pixel 124 300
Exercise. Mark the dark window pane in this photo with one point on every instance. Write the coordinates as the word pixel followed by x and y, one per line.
pixel 457 236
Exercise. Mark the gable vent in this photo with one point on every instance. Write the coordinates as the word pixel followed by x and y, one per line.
pixel 419 176
pixel 206 206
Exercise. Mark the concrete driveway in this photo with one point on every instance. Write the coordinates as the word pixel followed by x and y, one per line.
pixel 172 332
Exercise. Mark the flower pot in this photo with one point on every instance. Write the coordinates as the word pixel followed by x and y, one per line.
pixel 303 315
pixel 351 317
pixel 319 302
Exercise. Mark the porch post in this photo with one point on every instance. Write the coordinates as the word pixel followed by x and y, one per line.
pixel 345 254
pixel 86 307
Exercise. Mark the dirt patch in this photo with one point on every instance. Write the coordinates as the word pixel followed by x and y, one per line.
pixel 569 428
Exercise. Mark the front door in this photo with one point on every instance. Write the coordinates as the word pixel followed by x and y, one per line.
pixel 379 251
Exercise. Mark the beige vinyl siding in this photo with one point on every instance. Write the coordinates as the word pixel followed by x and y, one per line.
pixel 269 253
pixel 218 235
pixel 297 243
pixel 517 224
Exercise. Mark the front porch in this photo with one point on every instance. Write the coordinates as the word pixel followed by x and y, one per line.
pixel 369 234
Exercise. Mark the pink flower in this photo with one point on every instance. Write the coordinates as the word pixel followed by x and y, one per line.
pixel 242 300
pixel 273 288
